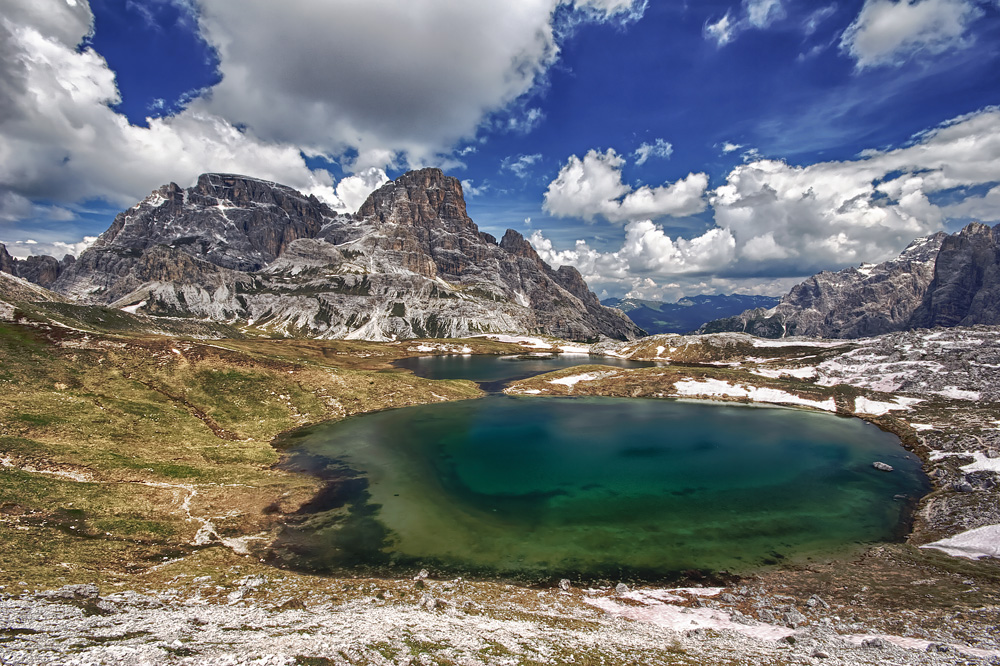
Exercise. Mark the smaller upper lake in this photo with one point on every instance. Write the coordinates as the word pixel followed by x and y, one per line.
pixel 493 372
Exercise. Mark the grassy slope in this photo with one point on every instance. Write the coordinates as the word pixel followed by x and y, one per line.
pixel 134 440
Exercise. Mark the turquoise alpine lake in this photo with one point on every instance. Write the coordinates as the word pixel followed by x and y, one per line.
pixel 534 488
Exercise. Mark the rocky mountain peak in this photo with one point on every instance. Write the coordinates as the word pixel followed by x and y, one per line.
pixel 976 229
pixel 423 198
pixel 938 280
pixel 516 244
pixel 410 263
pixel 966 286
pixel 245 191
pixel 924 249
pixel 6 261
pixel 232 221
pixel 41 270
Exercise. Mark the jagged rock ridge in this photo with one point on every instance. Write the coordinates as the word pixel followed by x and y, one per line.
pixel 410 263
pixel 41 270
pixel 941 280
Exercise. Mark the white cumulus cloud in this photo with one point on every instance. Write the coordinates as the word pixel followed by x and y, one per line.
pixel 774 219
pixel 592 187
pixel 646 252
pixel 23 249
pixel 985 208
pixel 61 141
pixel 888 32
pixel 339 75
pixel 298 78
pixel 722 30
pixel 762 13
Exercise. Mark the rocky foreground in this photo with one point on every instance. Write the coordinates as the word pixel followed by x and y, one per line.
pixel 275 620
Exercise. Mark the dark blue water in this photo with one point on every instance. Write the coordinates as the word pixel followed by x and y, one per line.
pixel 495 371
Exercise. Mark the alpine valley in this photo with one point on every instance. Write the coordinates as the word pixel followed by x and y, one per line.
pixel 160 503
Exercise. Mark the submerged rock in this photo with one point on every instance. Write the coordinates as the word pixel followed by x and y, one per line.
pixel 882 466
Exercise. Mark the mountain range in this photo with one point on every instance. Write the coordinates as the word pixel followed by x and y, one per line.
pixel 265 257
pixel 247 256
pixel 687 314
pixel 937 281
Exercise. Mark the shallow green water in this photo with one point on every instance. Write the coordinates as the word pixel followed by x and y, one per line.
pixel 540 488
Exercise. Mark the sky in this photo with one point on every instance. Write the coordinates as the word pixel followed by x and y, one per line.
pixel 664 148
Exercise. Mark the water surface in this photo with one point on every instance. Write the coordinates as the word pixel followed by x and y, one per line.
pixel 493 372
pixel 587 488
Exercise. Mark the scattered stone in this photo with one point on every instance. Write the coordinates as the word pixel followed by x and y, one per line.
pixel 764 615
pixel 727 598
pixel 424 573
pixel 252 582
pixel 428 602
pixel 878 643
pixel 963 487
pixel 293 604
pixel 85 591
pixel 793 618
pixel 815 601
pixel 820 654
pixel 938 647
pixel 564 584
pixel 882 466
pixel 621 588
pixel 993 453
pixel 740 618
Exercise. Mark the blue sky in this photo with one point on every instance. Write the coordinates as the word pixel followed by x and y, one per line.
pixel 664 148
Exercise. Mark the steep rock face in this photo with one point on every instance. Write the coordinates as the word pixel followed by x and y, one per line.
pixel 41 270
pixel 231 221
pixel 423 216
pixel 44 271
pixel 852 303
pixel 410 263
pixel 966 287
pixel 6 261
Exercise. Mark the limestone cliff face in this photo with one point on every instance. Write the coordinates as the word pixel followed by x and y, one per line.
pixel 41 270
pixel 410 263
pixel 422 215
pixel 230 221
pixel 941 280
pixel 966 287
pixel 6 261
